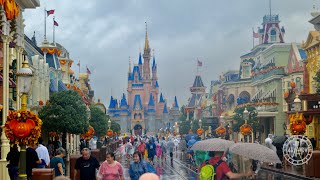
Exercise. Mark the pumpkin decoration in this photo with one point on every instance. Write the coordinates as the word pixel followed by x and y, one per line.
pixel 200 131
pixel 297 127
pixel 23 127
pixel 89 134
pixel 221 131
pixel 109 133
pixel 41 103
pixel 293 85
pixel 245 129
pixel 286 94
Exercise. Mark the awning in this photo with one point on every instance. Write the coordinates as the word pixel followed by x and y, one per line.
pixel 61 86
pixel 257 95
pixel 12 84
pixel 53 86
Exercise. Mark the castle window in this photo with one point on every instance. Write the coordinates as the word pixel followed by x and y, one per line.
pixel 273 35
pixel 246 71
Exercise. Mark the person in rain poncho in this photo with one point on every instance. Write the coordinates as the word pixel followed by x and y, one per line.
pixel 268 143
pixel 163 145
pixel 170 147
pixel 190 143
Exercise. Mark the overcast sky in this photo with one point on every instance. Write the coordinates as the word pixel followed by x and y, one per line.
pixel 102 34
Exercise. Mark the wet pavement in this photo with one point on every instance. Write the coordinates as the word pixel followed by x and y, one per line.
pixel 180 169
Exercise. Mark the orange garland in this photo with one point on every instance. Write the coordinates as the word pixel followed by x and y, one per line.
pixel 246 129
pixel 23 127
pixel 11 8
pixel 221 131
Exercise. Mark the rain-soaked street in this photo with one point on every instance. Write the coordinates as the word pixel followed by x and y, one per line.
pixel 180 169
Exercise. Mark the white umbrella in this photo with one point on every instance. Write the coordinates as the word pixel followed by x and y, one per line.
pixel 214 144
pixel 255 151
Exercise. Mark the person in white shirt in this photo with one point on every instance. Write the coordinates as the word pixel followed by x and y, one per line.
pixel 43 154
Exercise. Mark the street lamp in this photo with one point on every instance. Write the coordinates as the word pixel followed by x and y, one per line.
pixel 109 123
pixel 245 114
pixel 200 123
pixel 24 84
pixel 191 125
pixel 297 104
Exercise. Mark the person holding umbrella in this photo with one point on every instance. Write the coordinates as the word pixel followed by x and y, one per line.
pixel 222 169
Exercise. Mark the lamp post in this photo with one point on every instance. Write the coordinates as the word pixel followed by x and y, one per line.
pixel 191 125
pixel 200 123
pixel 24 84
pixel 109 123
pixel 297 104
pixel 245 117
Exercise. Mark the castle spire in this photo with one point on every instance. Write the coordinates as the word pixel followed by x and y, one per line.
pixel 146 41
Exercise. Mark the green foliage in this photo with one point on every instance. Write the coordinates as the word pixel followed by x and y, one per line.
pixel 238 119
pixel 317 79
pixel 115 126
pixel 98 121
pixel 185 126
pixel 66 112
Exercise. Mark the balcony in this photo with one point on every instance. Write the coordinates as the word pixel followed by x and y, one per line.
pixel 265 73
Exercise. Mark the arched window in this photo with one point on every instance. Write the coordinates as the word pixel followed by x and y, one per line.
pixel 273 35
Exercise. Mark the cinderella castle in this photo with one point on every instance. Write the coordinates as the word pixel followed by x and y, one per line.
pixel 142 111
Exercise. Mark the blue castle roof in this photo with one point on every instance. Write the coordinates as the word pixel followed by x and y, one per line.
pixel 157 84
pixel 161 99
pixel 123 103
pixel 151 102
pixel 137 101
pixel 176 105
pixel 165 109
pixel 113 103
pixel 136 69
pixel 140 59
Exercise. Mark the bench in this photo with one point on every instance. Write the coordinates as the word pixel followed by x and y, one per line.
pixel 43 173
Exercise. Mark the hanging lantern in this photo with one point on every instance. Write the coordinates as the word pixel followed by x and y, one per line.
pixel 286 94
pixel 109 133
pixel 200 131
pixel 246 129
pixel 293 85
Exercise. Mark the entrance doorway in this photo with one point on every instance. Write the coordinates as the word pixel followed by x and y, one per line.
pixel 137 130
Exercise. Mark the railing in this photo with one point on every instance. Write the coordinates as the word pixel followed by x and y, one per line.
pixel 276 71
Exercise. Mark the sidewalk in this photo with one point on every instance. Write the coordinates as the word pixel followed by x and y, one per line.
pixel 289 171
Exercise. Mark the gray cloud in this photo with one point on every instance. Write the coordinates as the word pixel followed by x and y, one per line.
pixel 103 34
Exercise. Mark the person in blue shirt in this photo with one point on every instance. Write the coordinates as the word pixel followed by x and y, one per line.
pixel 151 148
pixel 190 143
pixel 137 167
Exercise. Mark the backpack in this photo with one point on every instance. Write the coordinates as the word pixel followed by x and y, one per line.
pixel 208 172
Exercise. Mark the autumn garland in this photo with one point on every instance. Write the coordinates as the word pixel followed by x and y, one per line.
pixel 23 127
pixel 89 134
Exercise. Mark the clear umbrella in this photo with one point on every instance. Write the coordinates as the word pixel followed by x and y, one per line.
pixel 214 144
pixel 255 151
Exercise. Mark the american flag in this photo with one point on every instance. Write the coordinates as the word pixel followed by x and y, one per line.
pixel 50 12
pixel 55 23
pixel 255 35
pixel 88 71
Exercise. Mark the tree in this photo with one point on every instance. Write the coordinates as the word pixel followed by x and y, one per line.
pixel 239 120
pixel 316 78
pixel 115 126
pixel 66 112
pixel 98 121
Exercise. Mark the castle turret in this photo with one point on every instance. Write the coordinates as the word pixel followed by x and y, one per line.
pixel 271 31
pixel 165 117
pixel 124 112
pixel 140 63
pixel 146 58
pixel 154 72
pixel 151 123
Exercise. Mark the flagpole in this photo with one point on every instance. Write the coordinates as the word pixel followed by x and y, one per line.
pixel 79 68
pixel 53 30
pixel 252 38
pixel 45 24
pixel 197 66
